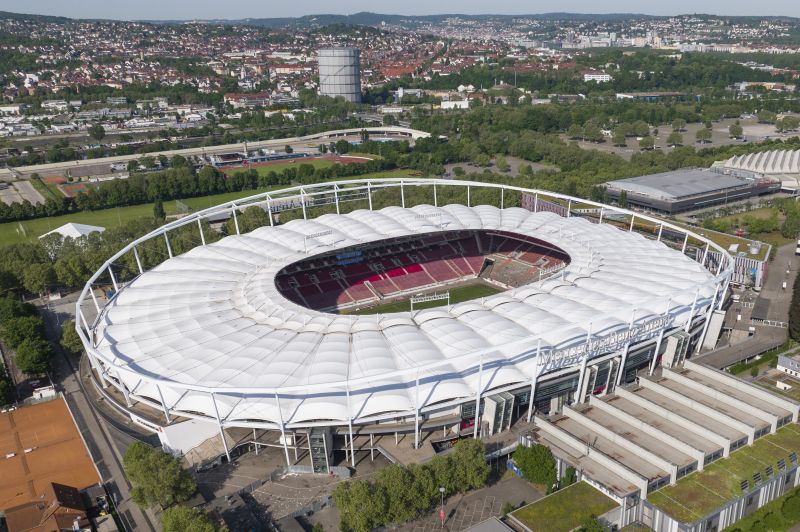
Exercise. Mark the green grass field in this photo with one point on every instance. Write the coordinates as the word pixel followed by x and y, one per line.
pixel 565 509
pixel 10 232
pixel 457 295
pixel 280 167
pixel 696 495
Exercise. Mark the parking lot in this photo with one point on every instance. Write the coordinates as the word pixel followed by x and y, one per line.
pixel 19 191
pixel 752 131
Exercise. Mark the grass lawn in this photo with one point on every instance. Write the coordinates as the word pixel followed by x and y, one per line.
pixel 769 384
pixel 10 232
pixel 281 166
pixel 773 507
pixel 565 509
pixel 725 240
pixel 764 213
pixel 698 494
pixel 457 295
pixel 47 191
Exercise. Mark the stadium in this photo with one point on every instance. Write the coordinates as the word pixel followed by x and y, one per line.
pixel 305 325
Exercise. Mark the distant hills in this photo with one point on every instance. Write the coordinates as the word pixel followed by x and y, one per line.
pixel 366 18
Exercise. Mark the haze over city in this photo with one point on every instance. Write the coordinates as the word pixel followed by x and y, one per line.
pixel 238 9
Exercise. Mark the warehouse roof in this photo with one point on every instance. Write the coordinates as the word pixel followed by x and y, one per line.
pixel 678 184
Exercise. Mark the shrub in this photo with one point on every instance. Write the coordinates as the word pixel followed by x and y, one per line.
pixel 537 464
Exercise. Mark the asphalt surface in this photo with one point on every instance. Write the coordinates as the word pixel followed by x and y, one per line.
pixel 106 445
pixel 766 337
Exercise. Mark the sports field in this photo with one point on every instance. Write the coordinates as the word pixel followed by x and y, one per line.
pixel 457 295
pixel 30 230
pixel 46 447
pixel 694 496
pixel 279 166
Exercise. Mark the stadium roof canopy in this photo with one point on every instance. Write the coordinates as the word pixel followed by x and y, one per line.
pixel 678 184
pixel 213 320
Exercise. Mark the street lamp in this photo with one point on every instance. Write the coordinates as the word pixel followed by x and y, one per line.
pixel 441 512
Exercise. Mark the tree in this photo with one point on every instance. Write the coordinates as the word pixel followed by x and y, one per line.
pixel 404 502
pixel 640 128
pixel 458 171
pixel 249 219
pixel 678 124
pixel 481 160
pixel 575 131
pixel 735 130
pixel 157 477
pixel 623 199
pixel 361 506
pixel 469 463
pixel 16 330
pixel 568 478
pixel 675 139
pixel 97 131
pixel 766 117
pixel 288 149
pixel 592 133
pixel 537 464
pixel 70 340
pixel 158 210
pixel 181 519
pixel 31 356
pixel 703 135
pixel 647 143
pixel 501 163
pixel 8 393
pixel 133 164
pixel 790 509
pixel 37 277
pixel 618 138
pixel 592 525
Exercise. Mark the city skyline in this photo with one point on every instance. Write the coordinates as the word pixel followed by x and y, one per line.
pixel 239 9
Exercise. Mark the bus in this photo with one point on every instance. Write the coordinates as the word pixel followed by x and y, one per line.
pixel 797 249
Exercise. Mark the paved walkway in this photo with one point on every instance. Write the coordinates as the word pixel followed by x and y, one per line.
pixel 101 443
pixel 765 337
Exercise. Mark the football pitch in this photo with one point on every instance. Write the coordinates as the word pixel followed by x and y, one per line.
pixel 458 294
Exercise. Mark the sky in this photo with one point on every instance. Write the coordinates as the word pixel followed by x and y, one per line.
pixel 237 9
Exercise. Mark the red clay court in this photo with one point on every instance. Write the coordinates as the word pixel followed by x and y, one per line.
pixel 57 452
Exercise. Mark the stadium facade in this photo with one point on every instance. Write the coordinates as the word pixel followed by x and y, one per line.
pixel 241 333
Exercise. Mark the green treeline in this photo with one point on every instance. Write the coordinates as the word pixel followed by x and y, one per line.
pixel 399 494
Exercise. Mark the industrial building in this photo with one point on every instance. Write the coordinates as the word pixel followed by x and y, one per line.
pixel 640 440
pixel 779 165
pixel 340 73
pixel 689 188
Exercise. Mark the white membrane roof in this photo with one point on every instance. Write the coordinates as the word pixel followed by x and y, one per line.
pixel 213 318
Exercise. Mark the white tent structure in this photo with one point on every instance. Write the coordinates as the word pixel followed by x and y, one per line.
pixel 208 335
pixel 75 230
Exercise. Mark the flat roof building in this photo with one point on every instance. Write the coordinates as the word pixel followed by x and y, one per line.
pixel 688 189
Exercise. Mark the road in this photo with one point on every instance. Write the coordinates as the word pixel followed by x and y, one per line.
pixel 766 337
pixel 316 138
pixel 104 446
